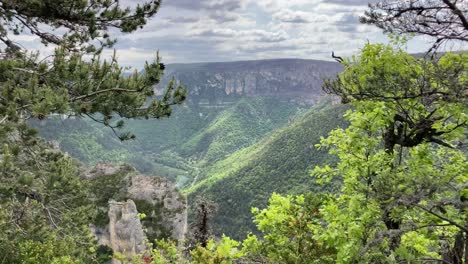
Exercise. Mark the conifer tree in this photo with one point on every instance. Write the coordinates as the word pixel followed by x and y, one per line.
pixel 45 210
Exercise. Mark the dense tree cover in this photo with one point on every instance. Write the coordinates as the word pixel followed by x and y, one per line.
pixel 192 139
pixel 279 163
pixel 80 21
pixel 241 125
pixel 402 170
pixel 400 201
pixel 44 207
pixel 402 160
pixel 45 210
pixel 66 83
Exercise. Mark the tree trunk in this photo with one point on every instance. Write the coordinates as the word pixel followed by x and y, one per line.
pixel 391 225
pixel 466 247
pixel 458 248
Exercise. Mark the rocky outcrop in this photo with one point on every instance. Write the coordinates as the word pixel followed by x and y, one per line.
pixel 105 169
pixel 122 196
pixel 126 234
pixel 169 206
pixel 217 83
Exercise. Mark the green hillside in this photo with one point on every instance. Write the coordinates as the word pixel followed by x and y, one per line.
pixel 237 155
pixel 280 163
pixel 176 148
pixel 239 126
pixel 84 140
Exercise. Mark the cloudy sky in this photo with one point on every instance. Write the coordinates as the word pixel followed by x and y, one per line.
pixel 228 30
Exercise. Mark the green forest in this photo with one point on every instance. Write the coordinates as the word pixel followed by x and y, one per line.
pixel 100 165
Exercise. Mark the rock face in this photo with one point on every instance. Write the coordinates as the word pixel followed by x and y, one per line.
pixel 121 194
pixel 104 169
pixel 169 207
pixel 217 83
pixel 126 234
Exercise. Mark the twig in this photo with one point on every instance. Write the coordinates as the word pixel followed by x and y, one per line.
pixel 443 218
pixel 3 119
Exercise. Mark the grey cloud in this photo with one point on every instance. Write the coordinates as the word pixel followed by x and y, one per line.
pixel 226 30
pixel 226 5
pixel 182 49
pixel 269 47
pixel 188 4
pixel 268 37
pixel 182 20
pixel 229 5
pixel 221 11
pixel 348 23
pixel 289 16
pixel 223 17
pixel 351 2
pixel 225 33
pixel 243 35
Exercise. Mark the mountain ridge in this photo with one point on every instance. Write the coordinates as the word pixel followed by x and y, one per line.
pixel 217 83
pixel 246 61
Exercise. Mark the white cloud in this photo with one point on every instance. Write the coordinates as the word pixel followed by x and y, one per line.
pixel 221 30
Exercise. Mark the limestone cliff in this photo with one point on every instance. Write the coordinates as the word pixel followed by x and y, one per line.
pixel 121 194
pixel 169 207
pixel 126 234
pixel 217 83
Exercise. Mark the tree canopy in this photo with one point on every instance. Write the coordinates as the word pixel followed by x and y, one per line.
pixel 403 159
pixel 74 80
pixel 402 172
pixel 45 208
pixel 442 19
pixel 79 21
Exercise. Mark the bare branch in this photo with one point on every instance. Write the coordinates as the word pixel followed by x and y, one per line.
pixel 464 229
pixel 442 19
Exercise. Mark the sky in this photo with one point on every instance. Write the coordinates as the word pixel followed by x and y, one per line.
pixel 228 30
pixel 186 31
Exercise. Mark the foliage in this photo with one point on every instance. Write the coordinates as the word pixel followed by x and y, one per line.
pixel 81 21
pixel 74 80
pixel 191 140
pixel 225 251
pixel 106 188
pixel 288 226
pixel 241 125
pixel 71 85
pixel 44 206
pixel 279 163
pixel 403 185
pixel 402 160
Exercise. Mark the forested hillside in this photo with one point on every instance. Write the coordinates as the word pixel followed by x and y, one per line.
pixel 178 147
pixel 279 163
pixel 236 153
pixel 230 106
pixel 236 156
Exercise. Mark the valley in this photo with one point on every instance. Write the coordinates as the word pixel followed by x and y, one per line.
pixel 190 132
pixel 235 141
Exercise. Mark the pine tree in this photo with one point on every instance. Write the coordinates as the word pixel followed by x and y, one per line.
pixel 45 209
